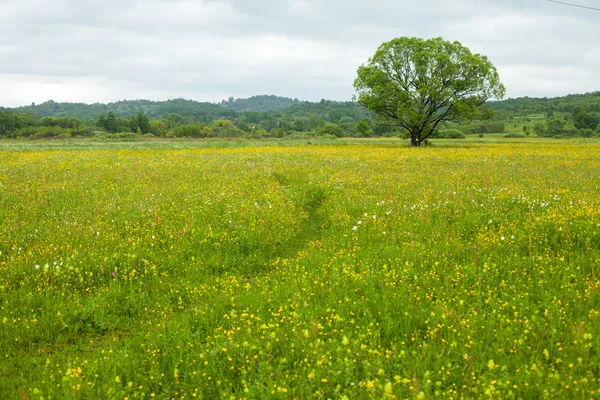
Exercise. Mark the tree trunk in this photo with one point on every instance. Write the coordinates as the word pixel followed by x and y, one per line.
pixel 414 138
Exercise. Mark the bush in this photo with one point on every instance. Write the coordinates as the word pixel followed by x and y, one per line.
pixel 495 127
pixel 41 132
pixel 190 130
pixel 586 132
pixel 514 136
pixel 449 134
pixel 278 133
pixel 331 129
pixel 223 123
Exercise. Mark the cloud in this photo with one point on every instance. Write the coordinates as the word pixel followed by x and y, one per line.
pixel 68 50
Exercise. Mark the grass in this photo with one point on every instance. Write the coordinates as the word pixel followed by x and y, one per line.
pixel 464 270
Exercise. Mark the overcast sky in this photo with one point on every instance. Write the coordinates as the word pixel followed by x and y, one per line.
pixel 207 50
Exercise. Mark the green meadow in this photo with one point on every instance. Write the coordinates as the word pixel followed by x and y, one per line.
pixel 362 269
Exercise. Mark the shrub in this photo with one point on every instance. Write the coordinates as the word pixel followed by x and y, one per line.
pixel 450 134
pixel 586 132
pixel 332 129
pixel 190 130
pixel 514 136
pixel 51 131
pixel 495 127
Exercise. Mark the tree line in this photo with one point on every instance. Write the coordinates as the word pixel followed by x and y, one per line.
pixel 573 115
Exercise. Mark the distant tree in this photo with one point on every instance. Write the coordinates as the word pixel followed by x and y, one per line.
pixel 111 122
pixel 577 110
pixel 174 120
pixel 133 123
pixel 583 119
pixel 539 128
pixel 190 130
pixel 143 122
pixel 362 128
pixel 418 84
pixel 123 125
pixel 101 122
pixel 315 122
pixel 224 128
pixel 450 134
pixel 9 122
pixel 158 127
pixel 586 132
pixel 207 131
pixel 555 127
pixel 332 129
pixel 494 127
pixel 299 125
pixel 223 123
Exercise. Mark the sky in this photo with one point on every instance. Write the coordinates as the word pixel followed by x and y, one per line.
pixel 208 50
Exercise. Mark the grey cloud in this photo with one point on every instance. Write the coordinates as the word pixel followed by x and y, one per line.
pixel 207 50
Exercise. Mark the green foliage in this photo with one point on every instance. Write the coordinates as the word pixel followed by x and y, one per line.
pixel 192 130
pixel 15 125
pixel 225 128
pixel 583 119
pixel 484 127
pixel 308 116
pixel 110 125
pixel 259 103
pixel 448 134
pixel 101 122
pixel 133 123
pixel 590 102
pixel 495 127
pixel 362 128
pixel 62 122
pixel 159 127
pixel 354 119
pixel 143 123
pixel 514 136
pixel 555 127
pixel 586 133
pixel 223 124
pixel 332 130
pixel 540 128
pixel 11 122
pixel 418 84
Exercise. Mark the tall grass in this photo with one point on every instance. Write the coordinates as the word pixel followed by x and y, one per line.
pixel 300 272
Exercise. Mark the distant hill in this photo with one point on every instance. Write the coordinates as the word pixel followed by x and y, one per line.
pixel 126 108
pixel 259 103
pixel 189 109
pixel 531 105
pixel 331 111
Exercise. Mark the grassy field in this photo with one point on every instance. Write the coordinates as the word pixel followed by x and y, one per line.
pixel 357 270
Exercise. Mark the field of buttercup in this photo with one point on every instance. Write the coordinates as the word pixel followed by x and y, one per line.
pixel 341 272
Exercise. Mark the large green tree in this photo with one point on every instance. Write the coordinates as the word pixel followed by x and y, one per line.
pixel 419 84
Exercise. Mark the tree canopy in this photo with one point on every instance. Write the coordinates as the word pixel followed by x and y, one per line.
pixel 419 84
